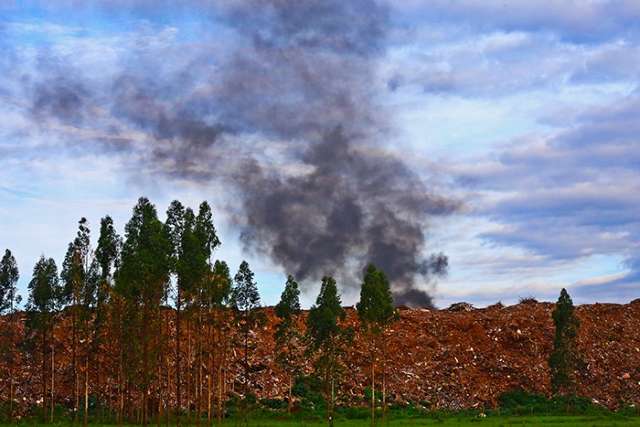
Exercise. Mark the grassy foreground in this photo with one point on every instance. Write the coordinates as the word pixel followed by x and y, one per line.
pixel 548 420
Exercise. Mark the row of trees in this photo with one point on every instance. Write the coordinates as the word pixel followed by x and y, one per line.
pixel 133 357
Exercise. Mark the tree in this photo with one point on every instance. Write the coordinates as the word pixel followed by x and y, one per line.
pixel 564 358
pixel 376 312
pixel 328 339
pixel 175 231
pixel 246 302
pixel 44 293
pixel 142 280
pixel 219 294
pixel 9 276
pixel 201 240
pixel 106 258
pixel 287 337
pixel 78 291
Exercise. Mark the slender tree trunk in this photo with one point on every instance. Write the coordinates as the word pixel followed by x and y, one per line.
pixel 52 375
pixel 290 402
pixel 86 391
pixel 44 376
pixel 145 367
pixel 74 363
pixel 198 390
pixel 178 359
pixel 189 372
pixel 373 389
pixel 384 378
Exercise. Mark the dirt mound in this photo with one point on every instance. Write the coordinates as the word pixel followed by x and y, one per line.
pixel 438 358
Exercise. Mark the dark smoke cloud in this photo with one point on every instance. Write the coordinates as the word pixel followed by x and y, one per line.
pixel 300 75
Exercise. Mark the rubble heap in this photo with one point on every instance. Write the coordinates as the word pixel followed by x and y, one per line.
pixel 452 359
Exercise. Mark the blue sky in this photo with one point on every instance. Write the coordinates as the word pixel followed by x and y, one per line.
pixel 525 114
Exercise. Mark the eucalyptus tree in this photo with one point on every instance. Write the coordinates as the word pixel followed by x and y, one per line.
pixel 246 304
pixel 142 280
pixel 219 295
pixel 106 258
pixel 44 300
pixel 175 231
pixel 328 339
pixel 199 242
pixel 564 357
pixel 287 335
pixel 376 312
pixel 77 292
pixel 9 298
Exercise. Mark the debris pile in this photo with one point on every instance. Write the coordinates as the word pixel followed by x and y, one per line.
pixel 452 359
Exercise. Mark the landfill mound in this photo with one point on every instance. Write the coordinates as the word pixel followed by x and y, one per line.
pixel 449 359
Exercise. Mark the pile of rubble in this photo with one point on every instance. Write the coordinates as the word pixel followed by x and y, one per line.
pixel 465 357
pixel 456 358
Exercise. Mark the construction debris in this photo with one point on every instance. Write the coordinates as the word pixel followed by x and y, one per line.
pixel 452 359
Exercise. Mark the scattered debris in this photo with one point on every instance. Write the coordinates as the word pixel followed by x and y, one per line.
pixel 452 360
pixel 460 306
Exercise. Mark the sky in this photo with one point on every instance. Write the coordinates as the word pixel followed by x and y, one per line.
pixel 520 121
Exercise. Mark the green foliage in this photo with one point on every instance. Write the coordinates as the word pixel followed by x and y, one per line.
pixel 144 269
pixel 520 402
pixel 108 249
pixel 289 305
pixel 44 288
pixel 142 282
pixel 564 358
pixel 9 276
pixel 287 337
pixel 79 274
pixel 322 322
pixel 375 308
pixel 328 339
pixel 220 286
pixel 308 389
pixel 245 296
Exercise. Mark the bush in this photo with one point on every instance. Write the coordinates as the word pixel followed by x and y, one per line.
pixel 520 402
pixel 528 300
pixel 309 390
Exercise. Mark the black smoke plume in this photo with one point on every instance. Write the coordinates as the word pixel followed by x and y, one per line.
pixel 287 114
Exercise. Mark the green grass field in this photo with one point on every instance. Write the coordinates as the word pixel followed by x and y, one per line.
pixel 493 421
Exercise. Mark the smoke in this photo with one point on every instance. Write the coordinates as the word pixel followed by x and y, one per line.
pixel 287 114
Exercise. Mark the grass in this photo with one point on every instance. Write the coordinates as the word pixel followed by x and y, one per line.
pixel 450 420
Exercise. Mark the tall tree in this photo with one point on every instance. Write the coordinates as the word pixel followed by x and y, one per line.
pixel 246 304
pixel 564 358
pixel 106 257
pixel 376 312
pixel 9 276
pixel 203 241
pixel 175 231
pixel 287 336
pixel 44 293
pixel 75 292
pixel 328 339
pixel 219 295
pixel 9 297
pixel 142 279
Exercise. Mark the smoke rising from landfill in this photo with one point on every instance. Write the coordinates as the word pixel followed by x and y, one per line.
pixel 286 113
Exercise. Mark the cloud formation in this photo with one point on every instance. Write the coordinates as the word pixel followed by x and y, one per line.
pixel 283 110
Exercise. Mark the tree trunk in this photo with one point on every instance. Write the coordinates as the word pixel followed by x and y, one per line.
pixel 74 363
pixel 290 402
pixel 178 360
pixel 86 391
pixel 52 375
pixel 44 376
pixel 373 390
pixel 384 378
